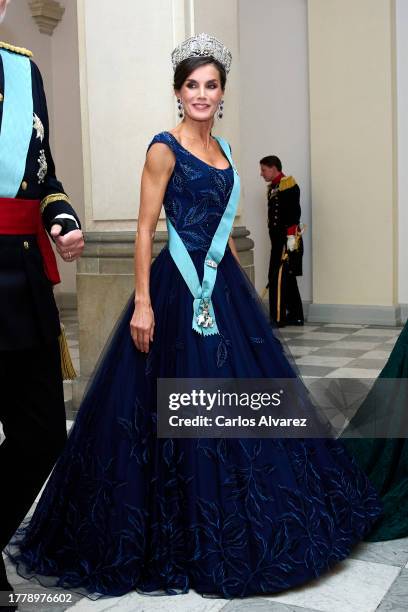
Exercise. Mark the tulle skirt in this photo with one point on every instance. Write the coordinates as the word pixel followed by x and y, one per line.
pixel 126 510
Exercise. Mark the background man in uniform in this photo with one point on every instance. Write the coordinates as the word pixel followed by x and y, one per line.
pixel 32 200
pixel 285 304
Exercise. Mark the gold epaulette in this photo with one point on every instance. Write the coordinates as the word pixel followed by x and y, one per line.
pixel 19 50
pixel 286 183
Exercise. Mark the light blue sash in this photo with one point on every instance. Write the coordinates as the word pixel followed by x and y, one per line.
pixel 17 122
pixel 203 312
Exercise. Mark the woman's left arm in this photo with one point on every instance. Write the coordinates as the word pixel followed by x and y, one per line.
pixel 233 248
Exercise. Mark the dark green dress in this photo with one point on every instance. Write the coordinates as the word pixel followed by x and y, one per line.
pixel 385 461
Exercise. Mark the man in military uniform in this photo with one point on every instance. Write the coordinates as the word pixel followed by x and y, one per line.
pixel 285 304
pixel 32 203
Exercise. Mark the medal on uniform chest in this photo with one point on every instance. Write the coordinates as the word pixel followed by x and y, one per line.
pixel 38 127
pixel 204 319
pixel 42 172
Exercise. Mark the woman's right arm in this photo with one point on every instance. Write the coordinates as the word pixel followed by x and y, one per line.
pixel 156 173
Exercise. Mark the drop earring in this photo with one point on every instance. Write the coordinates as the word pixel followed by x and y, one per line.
pixel 220 112
pixel 180 108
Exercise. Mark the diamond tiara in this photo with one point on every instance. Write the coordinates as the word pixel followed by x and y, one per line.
pixel 202 45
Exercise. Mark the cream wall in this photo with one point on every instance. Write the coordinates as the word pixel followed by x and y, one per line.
pixel 402 82
pixel 353 152
pixel 274 97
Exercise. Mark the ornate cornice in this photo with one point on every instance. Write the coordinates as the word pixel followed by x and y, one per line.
pixel 47 14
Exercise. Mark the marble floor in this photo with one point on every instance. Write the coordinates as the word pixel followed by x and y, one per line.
pixel 340 351
pixel 374 577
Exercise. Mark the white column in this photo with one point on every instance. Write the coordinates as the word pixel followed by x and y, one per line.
pixel 127 96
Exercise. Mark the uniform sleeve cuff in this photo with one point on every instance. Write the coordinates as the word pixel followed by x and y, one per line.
pixel 66 216
pixel 53 197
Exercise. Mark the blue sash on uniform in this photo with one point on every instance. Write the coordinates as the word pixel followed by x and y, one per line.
pixel 17 122
pixel 204 321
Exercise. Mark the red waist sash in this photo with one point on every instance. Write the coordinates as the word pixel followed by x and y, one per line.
pixel 19 216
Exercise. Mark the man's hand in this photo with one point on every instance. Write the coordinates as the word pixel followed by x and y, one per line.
pixel 71 245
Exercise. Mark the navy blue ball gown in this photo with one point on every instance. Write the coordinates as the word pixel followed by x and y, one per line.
pixel 125 510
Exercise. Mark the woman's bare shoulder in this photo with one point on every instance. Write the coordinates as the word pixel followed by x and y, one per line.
pixel 160 155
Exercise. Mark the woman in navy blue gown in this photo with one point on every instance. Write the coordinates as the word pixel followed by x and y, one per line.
pixel 125 510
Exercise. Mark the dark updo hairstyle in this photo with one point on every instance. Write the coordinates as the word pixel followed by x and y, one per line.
pixel 187 66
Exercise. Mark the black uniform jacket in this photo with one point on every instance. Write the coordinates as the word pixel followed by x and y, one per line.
pixel 28 313
pixel 283 213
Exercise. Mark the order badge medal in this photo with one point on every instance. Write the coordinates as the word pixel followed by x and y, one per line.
pixel 38 127
pixel 204 319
